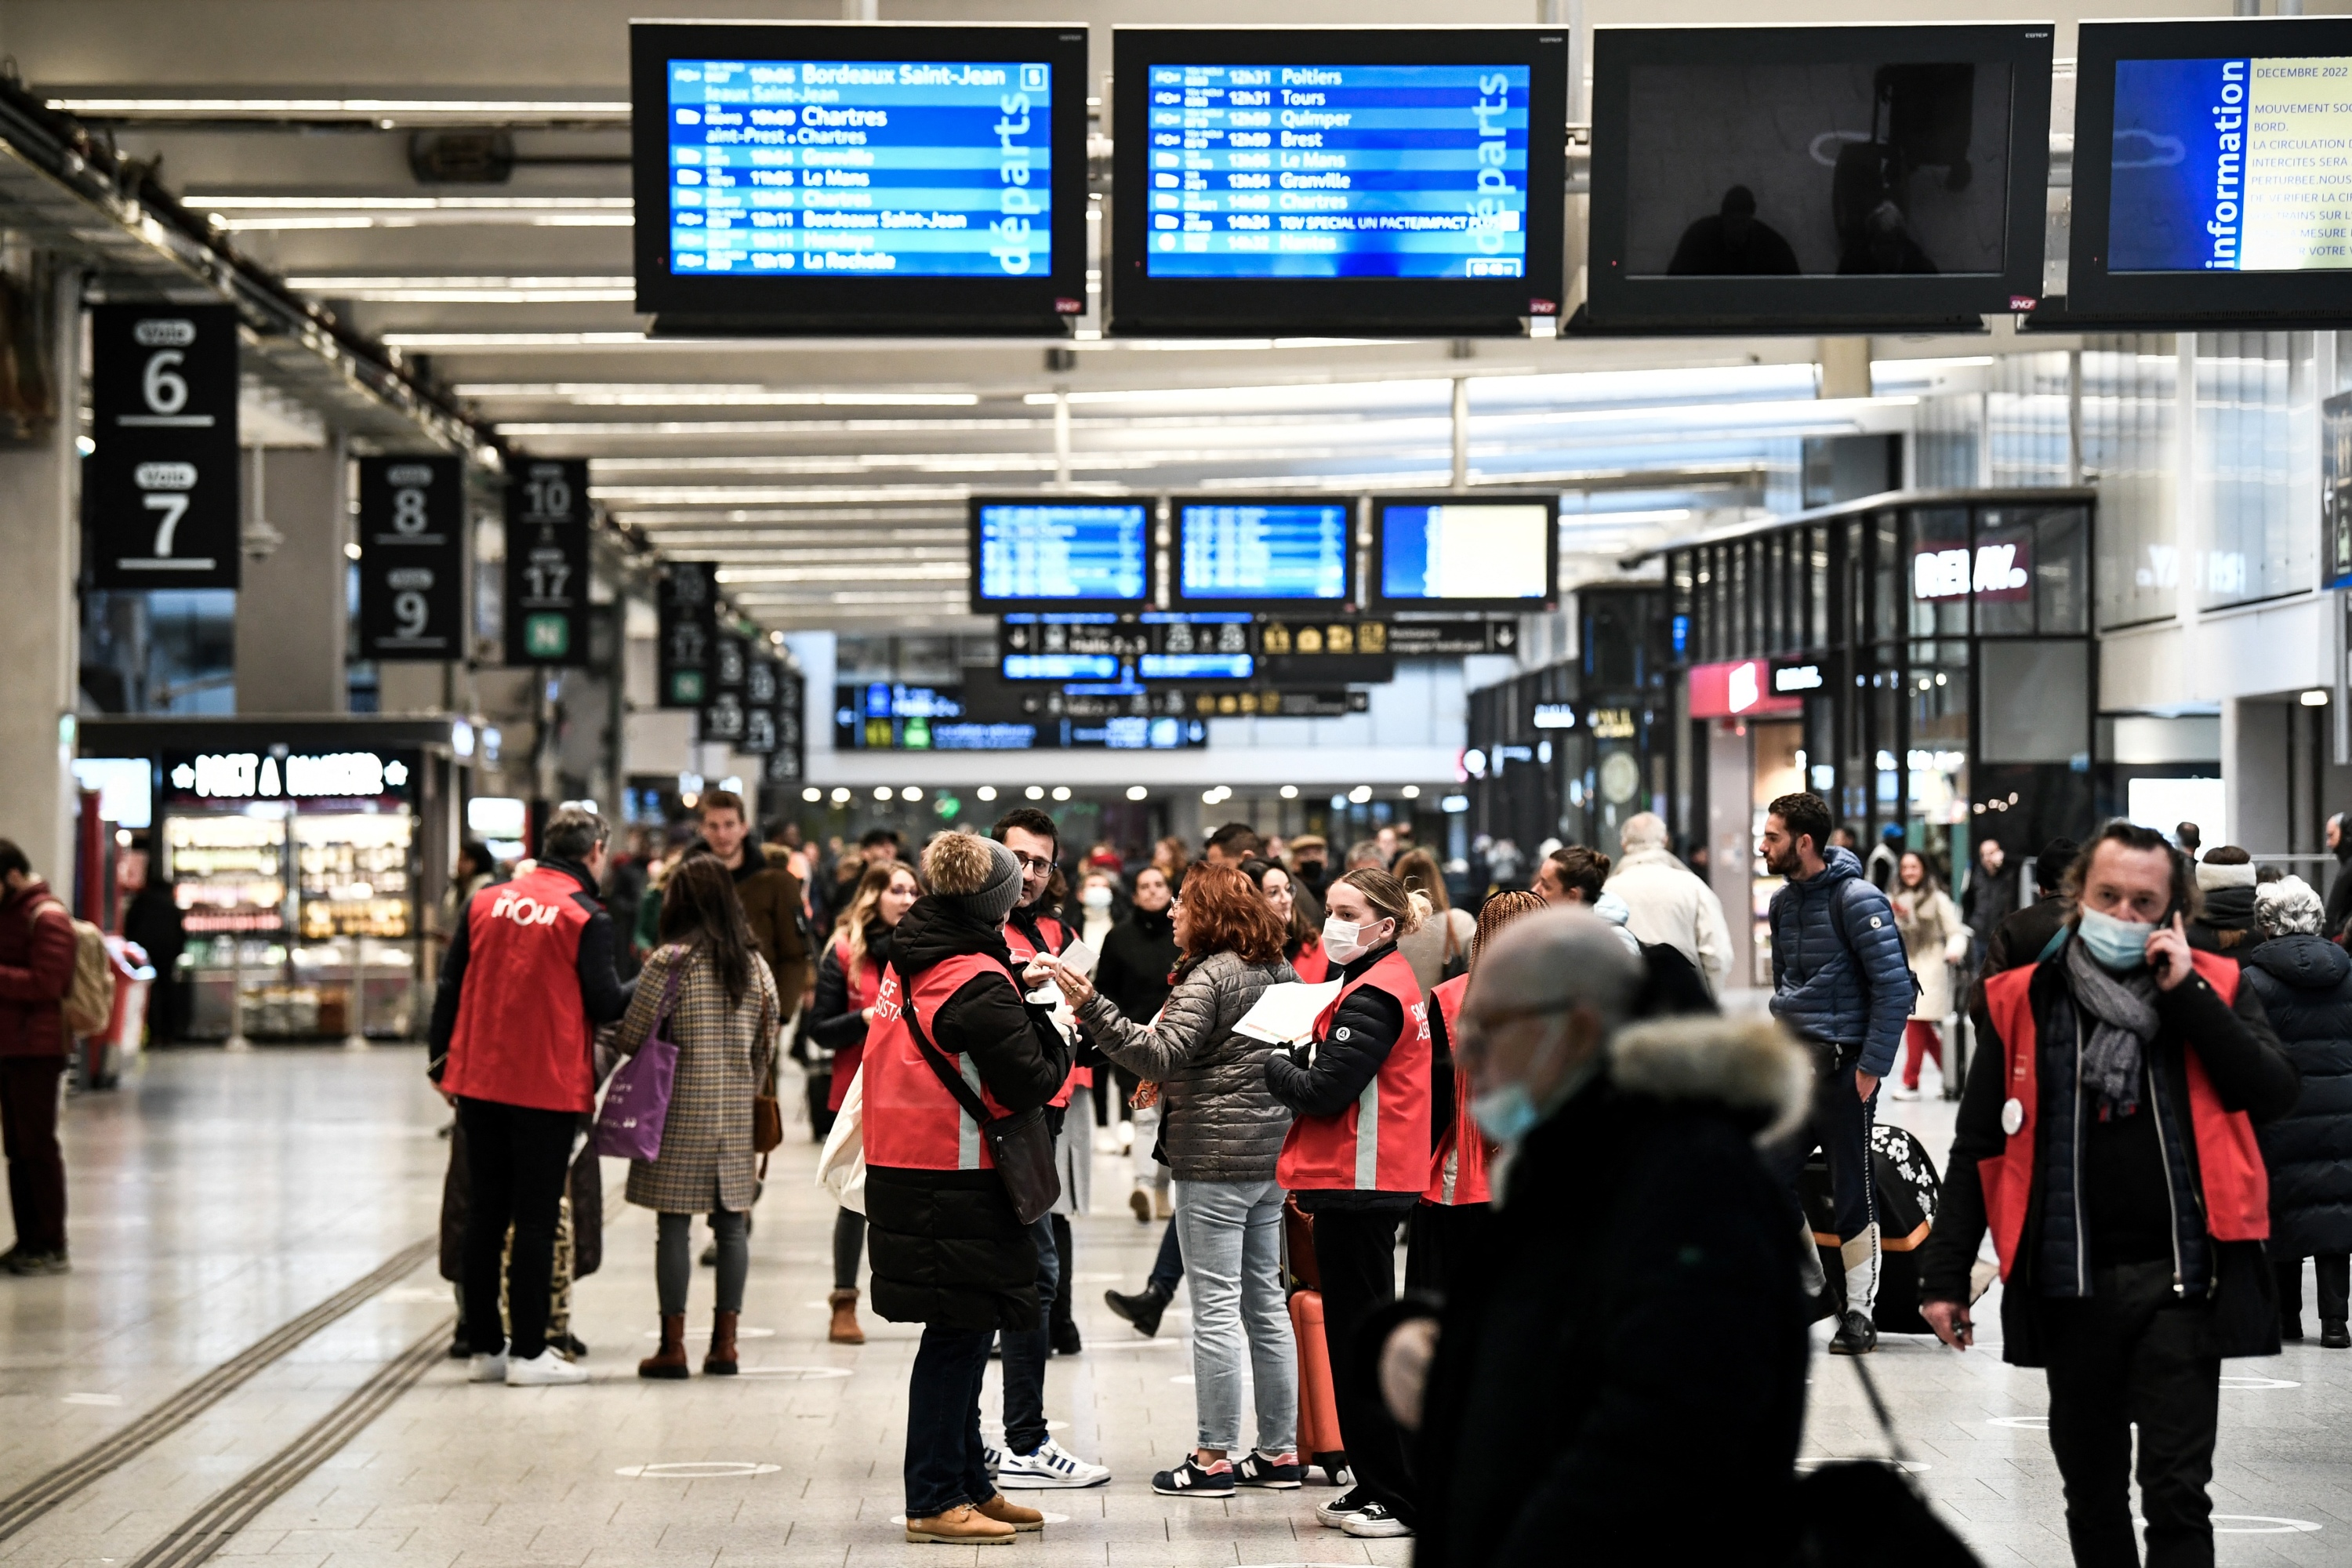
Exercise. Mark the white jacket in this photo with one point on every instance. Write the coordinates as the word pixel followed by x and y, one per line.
pixel 1667 903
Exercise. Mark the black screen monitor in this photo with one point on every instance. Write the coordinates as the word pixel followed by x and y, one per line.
pixel 2212 180
pixel 1337 180
pixel 1263 552
pixel 870 178
pixel 1058 553
pixel 1817 179
pixel 1492 553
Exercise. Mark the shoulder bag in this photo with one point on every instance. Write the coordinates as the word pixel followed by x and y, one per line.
pixel 636 1108
pixel 1022 1144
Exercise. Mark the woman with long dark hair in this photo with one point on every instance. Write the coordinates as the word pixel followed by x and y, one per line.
pixel 1302 945
pixel 720 1002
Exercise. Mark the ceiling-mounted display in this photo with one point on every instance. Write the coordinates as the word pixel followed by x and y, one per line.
pixel 1488 552
pixel 1276 552
pixel 1806 179
pixel 821 177
pixel 1033 554
pixel 2210 179
pixel 1359 179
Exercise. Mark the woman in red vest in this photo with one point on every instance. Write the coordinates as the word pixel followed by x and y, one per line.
pixel 2104 1137
pixel 847 979
pixel 1358 1159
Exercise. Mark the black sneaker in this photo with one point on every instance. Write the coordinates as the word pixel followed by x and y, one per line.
pixel 1143 1308
pixel 2334 1335
pixel 1856 1335
pixel 1281 1473
pixel 570 1344
pixel 2290 1328
pixel 460 1347
pixel 1374 1521
pixel 1066 1341
pixel 1335 1513
pixel 37 1263
pixel 1192 1478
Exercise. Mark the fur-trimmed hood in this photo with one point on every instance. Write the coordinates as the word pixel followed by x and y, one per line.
pixel 1753 1069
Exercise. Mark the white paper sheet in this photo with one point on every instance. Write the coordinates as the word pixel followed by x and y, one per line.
pixel 1285 1014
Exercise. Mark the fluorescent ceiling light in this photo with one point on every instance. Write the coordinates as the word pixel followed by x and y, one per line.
pixel 748 495
pixel 655 521
pixel 233 203
pixel 1360 394
pixel 661 395
pixel 591 429
pixel 851 570
pixel 410 110
pixel 471 290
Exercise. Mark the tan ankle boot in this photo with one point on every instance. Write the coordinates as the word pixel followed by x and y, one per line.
pixel 844 1330
pixel 721 1362
pixel 962 1525
pixel 670 1360
pixel 1004 1510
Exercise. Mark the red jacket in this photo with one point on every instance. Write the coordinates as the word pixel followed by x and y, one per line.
pixel 1381 1142
pixel 36 960
pixel 912 1122
pixel 1457 1170
pixel 522 1034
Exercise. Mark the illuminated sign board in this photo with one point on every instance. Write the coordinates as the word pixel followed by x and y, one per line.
pixel 1737 690
pixel 1791 678
pixel 296 775
pixel 1998 572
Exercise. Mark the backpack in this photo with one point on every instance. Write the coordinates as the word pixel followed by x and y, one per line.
pixel 88 1002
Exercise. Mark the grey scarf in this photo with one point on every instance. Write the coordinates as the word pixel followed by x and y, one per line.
pixel 2123 1022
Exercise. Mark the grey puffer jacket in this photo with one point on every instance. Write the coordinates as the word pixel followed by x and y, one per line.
pixel 1219 1121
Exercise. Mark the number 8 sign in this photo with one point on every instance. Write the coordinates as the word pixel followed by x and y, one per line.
pixel 411 559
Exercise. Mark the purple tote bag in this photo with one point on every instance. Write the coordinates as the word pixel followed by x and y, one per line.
pixel 636 1102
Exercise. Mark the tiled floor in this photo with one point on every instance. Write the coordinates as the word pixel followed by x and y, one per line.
pixel 215 1197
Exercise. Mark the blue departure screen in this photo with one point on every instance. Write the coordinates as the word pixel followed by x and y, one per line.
pixel 1263 552
pixel 2232 165
pixel 1032 550
pixel 1060 667
pixel 1339 171
pixel 896 168
pixel 1196 666
pixel 1488 552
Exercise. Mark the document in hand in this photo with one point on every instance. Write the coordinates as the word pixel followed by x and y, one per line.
pixel 1285 1014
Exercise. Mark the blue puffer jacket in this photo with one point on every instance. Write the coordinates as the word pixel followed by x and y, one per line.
pixel 1838 970
pixel 2306 986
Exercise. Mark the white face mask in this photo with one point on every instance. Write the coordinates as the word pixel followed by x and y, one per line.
pixel 1345 940
pixel 1096 897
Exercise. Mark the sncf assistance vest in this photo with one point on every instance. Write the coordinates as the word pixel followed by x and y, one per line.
pixel 1313 965
pixel 912 1122
pixel 1023 950
pixel 522 1037
pixel 2237 1188
pixel 864 987
pixel 1457 1171
pixel 1381 1143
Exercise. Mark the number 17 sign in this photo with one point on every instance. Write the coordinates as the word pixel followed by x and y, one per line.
pixel 547 563
pixel 411 559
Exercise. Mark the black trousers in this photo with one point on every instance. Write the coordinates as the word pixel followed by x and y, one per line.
pixel 1061 1314
pixel 2334 1272
pixel 2130 1355
pixel 516 1162
pixel 37 1167
pixel 1355 1253
pixel 1438 1240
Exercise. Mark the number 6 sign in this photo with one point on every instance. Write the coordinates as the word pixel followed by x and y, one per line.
pixel 162 481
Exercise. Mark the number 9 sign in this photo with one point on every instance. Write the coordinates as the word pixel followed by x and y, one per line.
pixel 411 559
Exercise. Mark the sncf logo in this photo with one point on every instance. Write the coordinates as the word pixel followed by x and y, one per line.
pixel 886 998
pixel 524 911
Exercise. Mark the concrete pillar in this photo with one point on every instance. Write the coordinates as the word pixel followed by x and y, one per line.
pixel 290 611
pixel 40 503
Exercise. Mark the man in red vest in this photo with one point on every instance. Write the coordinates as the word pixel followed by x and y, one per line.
pixel 527 978
pixel 2106 1137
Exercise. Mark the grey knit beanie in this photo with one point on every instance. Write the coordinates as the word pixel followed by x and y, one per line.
pixel 997 896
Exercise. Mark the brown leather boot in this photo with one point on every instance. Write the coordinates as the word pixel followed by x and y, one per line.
pixel 844 1330
pixel 670 1360
pixel 721 1362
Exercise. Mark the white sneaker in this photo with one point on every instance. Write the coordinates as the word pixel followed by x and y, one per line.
pixel 1050 1467
pixel 1335 1514
pixel 543 1371
pixel 1127 1137
pixel 1902 1093
pixel 1374 1522
pixel 486 1368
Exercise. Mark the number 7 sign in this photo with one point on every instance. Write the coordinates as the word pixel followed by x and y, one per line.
pixel 161 484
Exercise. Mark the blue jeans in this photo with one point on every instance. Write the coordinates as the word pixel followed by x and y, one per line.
pixel 1025 1352
pixel 1232 1234
pixel 944 1464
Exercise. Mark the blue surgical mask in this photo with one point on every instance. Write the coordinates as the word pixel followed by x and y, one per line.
pixel 2117 945
pixel 1507 1114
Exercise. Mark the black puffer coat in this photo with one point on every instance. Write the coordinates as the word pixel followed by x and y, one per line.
pixel 2306 986
pixel 1222 1123
pixel 947 1248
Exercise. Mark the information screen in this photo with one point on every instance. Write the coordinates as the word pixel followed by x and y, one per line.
pixel 1271 551
pixel 1465 553
pixel 1059 667
pixel 863 168
pixel 1033 553
pixel 1339 171
pixel 2232 165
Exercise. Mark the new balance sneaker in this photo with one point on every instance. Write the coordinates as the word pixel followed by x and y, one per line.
pixel 1276 1472
pixel 1335 1513
pixel 1374 1521
pixel 1193 1479
pixel 1856 1335
pixel 486 1368
pixel 1051 1467
pixel 545 1370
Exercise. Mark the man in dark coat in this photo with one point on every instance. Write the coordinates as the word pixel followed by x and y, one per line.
pixel 2020 936
pixel 2102 1138
pixel 36 963
pixel 2339 892
pixel 1635 1213
pixel 2304 982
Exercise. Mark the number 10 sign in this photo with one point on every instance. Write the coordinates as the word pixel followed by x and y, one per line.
pixel 411 559
pixel 547 563
pixel 161 482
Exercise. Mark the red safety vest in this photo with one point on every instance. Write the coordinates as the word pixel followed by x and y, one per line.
pixel 1381 1143
pixel 912 1122
pixel 2237 1186
pixel 1457 1171
pixel 864 987
pixel 522 1037
pixel 1313 965
pixel 1057 937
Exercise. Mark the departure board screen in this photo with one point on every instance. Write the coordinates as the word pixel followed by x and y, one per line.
pixel 1454 555
pixel 1032 553
pixel 2232 165
pixel 1253 551
pixel 1339 171
pixel 860 168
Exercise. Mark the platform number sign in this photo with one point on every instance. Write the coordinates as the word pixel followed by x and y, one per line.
pixel 547 563
pixel 760 685
pixel 724 715
pixel 2336 492
pixel 788 761
pixel 688 606
pixel 411 559
pixel 160 488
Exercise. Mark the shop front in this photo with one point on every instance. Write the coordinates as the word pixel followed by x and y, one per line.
pixel 1923 661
